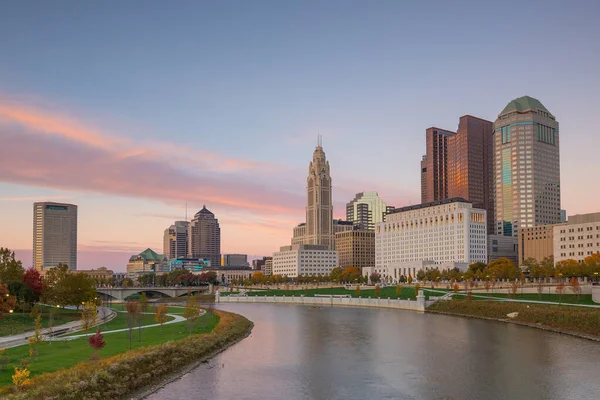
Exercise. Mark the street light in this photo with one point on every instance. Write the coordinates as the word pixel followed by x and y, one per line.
pixel 11 323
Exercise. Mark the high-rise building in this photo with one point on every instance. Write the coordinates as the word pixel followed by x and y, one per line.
pixel 319 208
pixel 470 166
pixel 54 235
pixel 204 237
pixel 175 241
pixel 235 260
pixel 526 167
pixel 436 165
pixel 365 210
pixel 356 248
pixel 424 179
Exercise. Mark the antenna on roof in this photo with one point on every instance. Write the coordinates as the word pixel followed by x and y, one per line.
pixel 319 140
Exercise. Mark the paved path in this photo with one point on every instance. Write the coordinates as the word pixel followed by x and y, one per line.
pixel 73 326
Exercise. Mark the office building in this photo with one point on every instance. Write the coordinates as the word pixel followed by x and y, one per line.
pixel 54 235
pixel 269 266
pixel 436 165
pixel 235 260
pixel 424 179
pixel 175 240
pixel 470 164
pixel 148 261
pixel 259 264
pixel 319 210
pixel 535 242
pixel 578 238
pixel 526 167
pixel 365 210
pixel 442 234
pixel 304 260
pixel 563 215
pixel 356 248
pixel 500 246
pixel 204 237
pixel 100 274
pixel 190 264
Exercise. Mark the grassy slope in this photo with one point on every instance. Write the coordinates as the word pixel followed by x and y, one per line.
pixel 389 291
pixel 55 356
pixel 23 322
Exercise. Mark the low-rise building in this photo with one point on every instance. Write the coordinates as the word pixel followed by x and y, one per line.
pixel 190 264
pixel 578 238
pixel 259 264
pixel 146 262
pixel 535 242
pixel 356 248
pixel 230 260
pixel 500 246
pixel 101 273
pixel 269 266
pixel 226 274
pixel 304 260
pixel 445 234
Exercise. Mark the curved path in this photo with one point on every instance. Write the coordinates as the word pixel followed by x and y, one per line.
pixel 176 319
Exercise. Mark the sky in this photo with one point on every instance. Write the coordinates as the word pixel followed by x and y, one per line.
pixel 133 109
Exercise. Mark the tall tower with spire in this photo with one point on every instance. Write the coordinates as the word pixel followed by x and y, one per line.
pixel 319 208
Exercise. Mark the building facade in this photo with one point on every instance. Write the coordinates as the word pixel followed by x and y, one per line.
pixel 436 161
pixel 578 238
pixel 500 246
pixel 54 235
pixel 536 242
pixel 235 260
pixel 269 266
pixel 148 261
pixel 470 164
pixel 446 232
pixel 101 273
pixel 204 237
pixel 319 208
pixel 356 248
pixel 304 260
pixel 365 210
pixel 526 167
pixel 190 264
pixel 175 240
pixel 424 179
pixel 259 264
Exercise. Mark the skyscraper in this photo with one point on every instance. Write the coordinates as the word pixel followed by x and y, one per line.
pixel 319 208
pixel 175 241
pixel 204 237
pixel 54 235
pixel 470 166
pixel 365 210
pixel 424 179
pixel 436 165
pixel 526 167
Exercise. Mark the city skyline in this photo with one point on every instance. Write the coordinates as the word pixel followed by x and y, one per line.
pixel 121 131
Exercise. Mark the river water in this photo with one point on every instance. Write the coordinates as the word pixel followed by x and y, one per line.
pixel 297 353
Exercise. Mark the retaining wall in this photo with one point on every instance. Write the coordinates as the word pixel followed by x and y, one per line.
pixel 596 294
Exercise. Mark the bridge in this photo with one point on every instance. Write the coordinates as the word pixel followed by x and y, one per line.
pixel 123 293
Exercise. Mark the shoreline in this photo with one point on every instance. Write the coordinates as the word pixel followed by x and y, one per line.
pixel 176 375
pixel 520 323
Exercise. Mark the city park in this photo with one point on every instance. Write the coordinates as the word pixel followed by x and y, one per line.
pixel 61 326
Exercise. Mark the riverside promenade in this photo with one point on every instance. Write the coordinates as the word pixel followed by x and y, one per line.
pixel 420 304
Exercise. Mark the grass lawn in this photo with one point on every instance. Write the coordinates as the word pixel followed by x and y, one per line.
pixel 23 322
pixel 60 355
pixel 566 298
pixel 120 322
pixel 171 309
pixel 408 292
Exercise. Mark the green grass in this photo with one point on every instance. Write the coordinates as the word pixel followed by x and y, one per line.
pixel 23 322
pixel 408 292
pixel 59 355
pixel 120 322
pixel 171 309
pixel 566 298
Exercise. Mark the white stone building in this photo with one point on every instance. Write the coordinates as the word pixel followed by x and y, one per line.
pixel 577 238
pixel 441 234
pixel 304 260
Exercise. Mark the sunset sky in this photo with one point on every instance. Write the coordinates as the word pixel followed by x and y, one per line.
pixel 130 109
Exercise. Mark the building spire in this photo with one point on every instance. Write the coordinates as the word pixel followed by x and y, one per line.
pixel 319 141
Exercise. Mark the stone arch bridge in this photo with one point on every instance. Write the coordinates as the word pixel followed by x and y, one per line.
pixel 123 293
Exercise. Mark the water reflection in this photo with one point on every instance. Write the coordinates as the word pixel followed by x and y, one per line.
pixel 296 353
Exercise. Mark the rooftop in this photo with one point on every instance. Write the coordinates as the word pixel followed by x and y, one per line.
pixel 523 104
pixel 430 204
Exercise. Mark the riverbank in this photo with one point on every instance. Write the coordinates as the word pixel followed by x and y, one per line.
pixel 131 372
pixel 574 321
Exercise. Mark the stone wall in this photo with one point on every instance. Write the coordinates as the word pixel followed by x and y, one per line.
pixel 596 294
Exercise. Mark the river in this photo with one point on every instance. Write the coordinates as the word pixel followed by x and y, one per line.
pixel 297 353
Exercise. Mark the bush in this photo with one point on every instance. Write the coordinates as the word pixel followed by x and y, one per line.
pixel 117 376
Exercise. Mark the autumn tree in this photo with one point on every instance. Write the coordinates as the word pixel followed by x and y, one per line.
pixel 258 278
pixel 143 302
pixel 358 290
pixel 133 312
pixel 35 339
pixel 11 269
pixel 377 290
pixel 160 314
pixel 127 282
pixel 410 279
pixel 375 277
pixel 398 290
pixel 514 286
pixel 33 279
pixel 487 285
pixel 97 342
pixel 21 378
pixel 191 313
pixel 575 287
pixel 540 287
pixel 7 302
pixel 68 288
pixel 3 359
pixel 560 289
pixel 89 316
pixel 349 274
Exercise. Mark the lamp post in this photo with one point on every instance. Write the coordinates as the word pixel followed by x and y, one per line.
pixel 595 276
pixel 11 319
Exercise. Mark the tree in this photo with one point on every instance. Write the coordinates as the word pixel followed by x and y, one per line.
pixel 417 288
pixel 375 277
pixel 191 313
pixel 160 314
pixel 514 286
pixel 349 274
pixel 33 279
pixel 89 316
pixel 335 274
pixel 21 378
pixel 487 285
pixel 127 282
pixel 377 290
pixel 7 302
pixel 358 290
pixel 11 269
pixel 67 288
pixel 3 359
pixel 477 267
pixel 560 289
pixel 421 275
pixel 97 342
pixel 398 290
pixel 35 339
pixel 143 302
pixel 540 287
pixel 410 279
pixel 575 287
pixel 133 311
pixel 258 278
